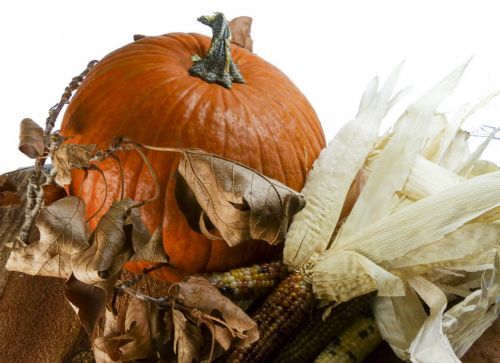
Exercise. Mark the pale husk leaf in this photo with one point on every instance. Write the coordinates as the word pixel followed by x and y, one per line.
pixel 333 173
pixel 466 321
pixel 431 344
pixel 378 196
pixel 427 178
pixel 415 226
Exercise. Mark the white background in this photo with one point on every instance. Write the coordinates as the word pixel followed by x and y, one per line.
pixel 329 49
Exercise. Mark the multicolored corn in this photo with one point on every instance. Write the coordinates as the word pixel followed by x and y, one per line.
pixel 284 310
pixel 249 282
pixel 354 344
pixel 317 333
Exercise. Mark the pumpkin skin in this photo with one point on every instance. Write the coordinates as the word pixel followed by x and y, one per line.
pixel 143 91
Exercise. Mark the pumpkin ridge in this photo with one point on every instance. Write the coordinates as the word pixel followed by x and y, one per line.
pixel 186 118
pixel 283 177
pixel 189 48
pixel 255 161
pixel 306 135
pixel 244 105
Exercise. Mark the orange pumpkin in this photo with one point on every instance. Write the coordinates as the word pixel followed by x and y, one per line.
pixel 144 91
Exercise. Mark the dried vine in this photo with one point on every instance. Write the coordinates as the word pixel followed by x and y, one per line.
pixel 35 195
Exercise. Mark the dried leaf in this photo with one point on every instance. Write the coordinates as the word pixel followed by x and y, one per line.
pixel 152 250
pixel 89 301
pixel 240 30
pixel 110 245
pixel 200 294
pixel 69 156
pixel 138 331
pixel 31 139
pixel 106 347
pixel 52 193
pixel 187 338
pixel 63 234
pixel 241 203
pixel 147 247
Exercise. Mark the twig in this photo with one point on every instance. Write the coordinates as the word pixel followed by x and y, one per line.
pixel 34 193
pixel 68 92
pixel 34 196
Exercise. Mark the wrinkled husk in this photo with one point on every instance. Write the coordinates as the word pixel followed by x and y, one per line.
pixel 425 226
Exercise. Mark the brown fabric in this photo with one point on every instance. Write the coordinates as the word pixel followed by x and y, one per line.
pixel 36 322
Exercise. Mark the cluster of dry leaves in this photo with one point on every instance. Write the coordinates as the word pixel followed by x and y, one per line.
pixel 195 321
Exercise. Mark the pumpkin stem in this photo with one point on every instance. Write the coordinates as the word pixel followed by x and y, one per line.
pixel 217 66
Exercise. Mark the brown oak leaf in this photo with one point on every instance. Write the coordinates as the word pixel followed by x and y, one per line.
pixel 88 301
pixel 106 348
pixel 31 139
pixel 110 245
pixel 152 250
pixel 68 156
pixel 240 30
pixel 96 268
pixel 147 247
pixel 63 234
pixel 139 324
pixel 239 202
pixel 199 293
pixel 188 339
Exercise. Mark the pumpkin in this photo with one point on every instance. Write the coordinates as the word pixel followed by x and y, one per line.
pixel 150 92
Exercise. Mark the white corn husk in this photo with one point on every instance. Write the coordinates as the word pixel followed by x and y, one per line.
pixel 339 163
pixel 426 223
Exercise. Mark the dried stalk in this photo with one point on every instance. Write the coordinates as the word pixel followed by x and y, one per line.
pixel 34 193
pixel 34 197
pixel 68 92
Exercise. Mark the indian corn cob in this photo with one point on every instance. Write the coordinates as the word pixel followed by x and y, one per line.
pixel 249 282
pixel 278 317
pixel 353 344
pixel 317 333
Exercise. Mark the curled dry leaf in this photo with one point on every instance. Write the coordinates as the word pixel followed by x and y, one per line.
pixel 240 30
pixel 63 234
pixel 31 139
pixel 52 193
pixel 104 350
pixel 96 268
pixel 131 335
pixel 110 245
pixel 152 250
pixel 241 203
pixel 188 339
pixel 138 333
pixel 68 156
pixel 89 301
pixel 147 247
pixel 200 294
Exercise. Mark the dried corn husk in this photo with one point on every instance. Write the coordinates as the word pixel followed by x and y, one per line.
pixel 339 163
pixel 424 227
